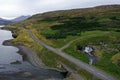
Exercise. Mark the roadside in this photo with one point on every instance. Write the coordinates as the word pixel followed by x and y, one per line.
pixel 80 64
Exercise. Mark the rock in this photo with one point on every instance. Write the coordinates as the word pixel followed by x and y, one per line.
pixel 80 48
pixel 16 62
pixel 14 35
pixel 65 73
pixel 27 74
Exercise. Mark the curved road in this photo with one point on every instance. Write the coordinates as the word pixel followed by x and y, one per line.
pixel 91 69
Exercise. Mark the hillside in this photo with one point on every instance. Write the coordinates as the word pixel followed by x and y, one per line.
pixel 98 27
pixel 88 12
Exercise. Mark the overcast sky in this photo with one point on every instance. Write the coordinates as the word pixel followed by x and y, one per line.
pixel 14 8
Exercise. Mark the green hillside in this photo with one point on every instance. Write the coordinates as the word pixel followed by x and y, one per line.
pixel 98 26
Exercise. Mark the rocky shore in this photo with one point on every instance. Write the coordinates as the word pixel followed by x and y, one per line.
pixel 26 53
pixel 29 55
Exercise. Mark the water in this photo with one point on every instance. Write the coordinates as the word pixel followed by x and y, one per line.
pixel 8 53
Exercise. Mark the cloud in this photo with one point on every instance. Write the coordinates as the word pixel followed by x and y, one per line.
pixel 14 8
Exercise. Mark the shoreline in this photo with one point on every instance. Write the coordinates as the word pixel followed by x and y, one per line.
pixel 30 56
pixel 25 52
pixel 27 55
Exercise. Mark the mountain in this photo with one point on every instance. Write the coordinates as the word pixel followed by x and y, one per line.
pixel 20 19
pixel 4 21
pixel 16 20
pixel 98 27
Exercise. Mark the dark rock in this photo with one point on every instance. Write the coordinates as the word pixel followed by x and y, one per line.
pixel 16 62
pixel 65 73
pixel 80 48
pixel 7 43
pixel 14 35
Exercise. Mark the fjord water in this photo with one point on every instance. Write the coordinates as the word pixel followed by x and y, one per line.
pixel 7 53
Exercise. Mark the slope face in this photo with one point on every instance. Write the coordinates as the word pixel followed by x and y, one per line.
pixel 98 27
pixel 20 19
pixel 95 11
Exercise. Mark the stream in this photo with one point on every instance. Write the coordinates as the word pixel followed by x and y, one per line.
pixel 24 70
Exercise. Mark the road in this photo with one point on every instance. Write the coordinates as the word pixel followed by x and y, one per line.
pixel 98 73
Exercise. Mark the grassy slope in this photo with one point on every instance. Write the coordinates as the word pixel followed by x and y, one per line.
pixel 108 58
pixel 92 26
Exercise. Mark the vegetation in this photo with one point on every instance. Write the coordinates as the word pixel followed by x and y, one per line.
pixel 101 40
pixel 98 27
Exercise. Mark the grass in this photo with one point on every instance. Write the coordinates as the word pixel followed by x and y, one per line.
pixel 94 38
pixel 61 42
pixel 104 20
pixel 107 65
pixel 86 75
pixel 71 50
pixel 23 38
pixel 87 38
pixel 45 55
pixel 49 58
pixel 99 27
pixel 115 58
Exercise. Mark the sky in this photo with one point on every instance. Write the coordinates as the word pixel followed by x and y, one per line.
pixel 10 9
